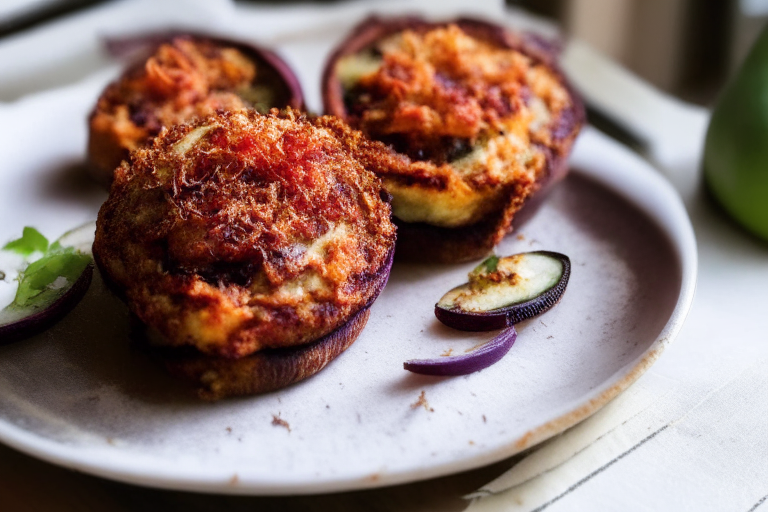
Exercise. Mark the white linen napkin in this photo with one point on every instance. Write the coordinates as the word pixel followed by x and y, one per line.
pixel 659 428
pixel 691 434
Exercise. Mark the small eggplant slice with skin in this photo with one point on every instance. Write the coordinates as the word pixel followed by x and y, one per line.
pixel 504 291
pixel 464 364
pixel 48 287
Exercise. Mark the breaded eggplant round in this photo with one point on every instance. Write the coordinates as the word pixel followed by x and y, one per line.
pixel 241 234
pixel 483 117
pixel 180 78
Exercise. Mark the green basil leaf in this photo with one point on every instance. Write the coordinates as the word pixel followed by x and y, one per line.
pixel 37 282
pixel 487 266
pixel 31 241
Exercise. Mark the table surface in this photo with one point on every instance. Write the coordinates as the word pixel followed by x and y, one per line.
pixel 27 484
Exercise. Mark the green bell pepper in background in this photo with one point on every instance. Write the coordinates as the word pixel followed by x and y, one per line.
pixel 736 150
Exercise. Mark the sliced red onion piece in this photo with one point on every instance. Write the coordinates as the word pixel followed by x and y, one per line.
pixel 464 364
pixel 503 292
pixel 53 285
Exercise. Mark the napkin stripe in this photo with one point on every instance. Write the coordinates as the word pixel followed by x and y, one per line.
pixel 762 500
pixel 601 469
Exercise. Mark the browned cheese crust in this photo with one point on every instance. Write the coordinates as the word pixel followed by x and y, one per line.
pixel 484 119
pixel 183 79
pixel 242 231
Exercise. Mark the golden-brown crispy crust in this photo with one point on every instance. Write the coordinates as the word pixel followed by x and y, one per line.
pixel 241 232
pixel 392 97
pixel 184 77
pixel 264 371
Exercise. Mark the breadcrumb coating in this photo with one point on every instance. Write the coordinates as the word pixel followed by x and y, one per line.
pixel 244 231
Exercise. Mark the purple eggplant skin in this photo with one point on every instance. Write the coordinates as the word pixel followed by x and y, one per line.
pixel 264 371
pixel 464 364
pixel 510 315
pixel 47 317
pixel 141 46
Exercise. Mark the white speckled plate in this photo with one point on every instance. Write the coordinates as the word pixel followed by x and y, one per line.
pixel 79 396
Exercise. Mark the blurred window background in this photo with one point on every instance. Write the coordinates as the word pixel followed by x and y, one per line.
pixel 688 48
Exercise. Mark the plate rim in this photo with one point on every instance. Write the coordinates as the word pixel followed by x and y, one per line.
pixel 619 170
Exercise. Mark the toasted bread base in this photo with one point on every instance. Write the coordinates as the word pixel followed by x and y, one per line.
pixel 264 371
pixel 267 370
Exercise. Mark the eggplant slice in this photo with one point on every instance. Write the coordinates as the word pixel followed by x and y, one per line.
pixel 51 286
pixel 250 245
pixel 505 291
pixel 268 370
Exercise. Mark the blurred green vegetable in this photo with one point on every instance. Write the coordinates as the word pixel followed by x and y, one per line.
pixel 736 151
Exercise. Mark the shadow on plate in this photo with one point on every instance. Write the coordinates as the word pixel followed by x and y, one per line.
pixel 71 183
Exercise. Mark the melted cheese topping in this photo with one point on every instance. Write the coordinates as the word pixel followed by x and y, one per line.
pixel 184 145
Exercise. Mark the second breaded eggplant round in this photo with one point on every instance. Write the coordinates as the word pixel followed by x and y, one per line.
pixel 483 118
pixel 184 77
